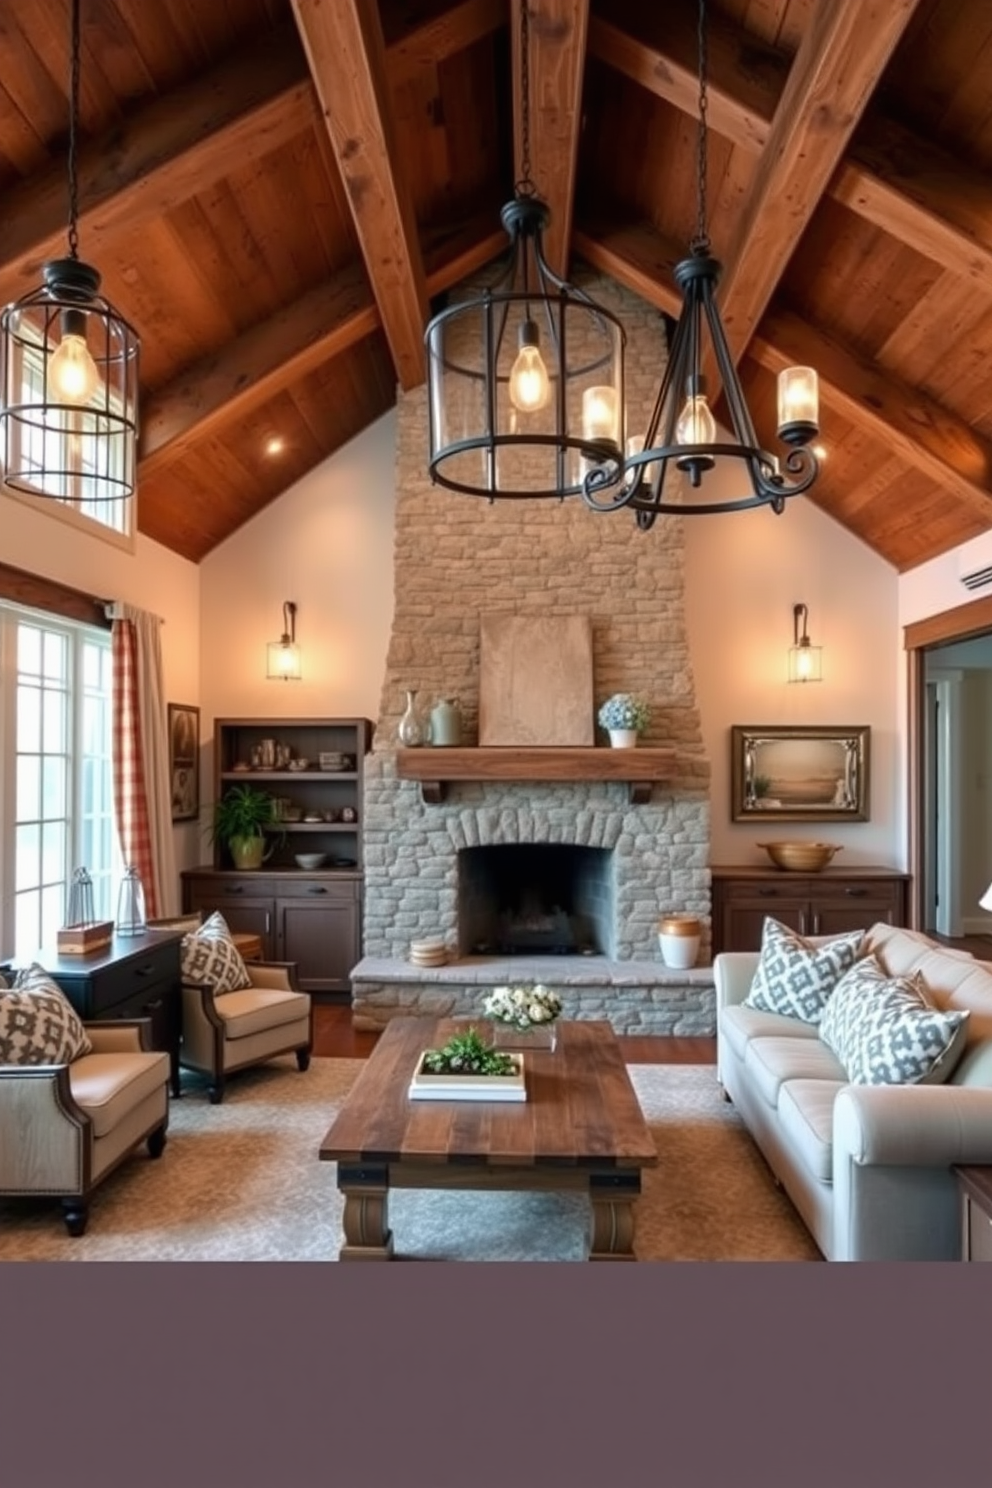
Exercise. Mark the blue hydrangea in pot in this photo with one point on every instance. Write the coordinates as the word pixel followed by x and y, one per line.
pixel 624 716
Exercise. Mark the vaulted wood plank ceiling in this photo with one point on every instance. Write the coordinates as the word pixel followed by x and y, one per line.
pixel 275 191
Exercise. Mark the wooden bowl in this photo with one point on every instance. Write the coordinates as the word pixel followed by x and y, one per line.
pixel 800 857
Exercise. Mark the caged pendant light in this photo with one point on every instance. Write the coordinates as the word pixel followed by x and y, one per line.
pixel 524 377
pixel 682 428
pixel 68 371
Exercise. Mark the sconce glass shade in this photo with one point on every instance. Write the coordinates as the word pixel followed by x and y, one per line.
pixel 798 405
pixel 805 661
pixel 284 663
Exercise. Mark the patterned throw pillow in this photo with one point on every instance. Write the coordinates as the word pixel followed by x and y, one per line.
pixel 795 977
pixel 884 1031
pixel 210 957
pixel 38 1023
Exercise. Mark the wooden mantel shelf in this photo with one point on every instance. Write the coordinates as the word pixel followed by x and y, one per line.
pixel 436 767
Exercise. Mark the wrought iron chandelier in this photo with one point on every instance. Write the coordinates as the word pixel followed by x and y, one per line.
pixel 525 378
pixel 682 428
pixel 68 371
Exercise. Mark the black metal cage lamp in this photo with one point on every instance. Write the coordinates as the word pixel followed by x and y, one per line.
pixel 525 379
pixel 682 427
pixel 68 372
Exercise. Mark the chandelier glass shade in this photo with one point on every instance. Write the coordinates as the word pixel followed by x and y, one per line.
pixel 284 662
pixel 68 373
pixel 682 431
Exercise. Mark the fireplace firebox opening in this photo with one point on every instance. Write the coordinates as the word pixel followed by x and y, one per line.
pixel 535 899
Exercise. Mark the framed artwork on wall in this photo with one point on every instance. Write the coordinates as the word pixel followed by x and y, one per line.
pixel 184 761
pixel 804 773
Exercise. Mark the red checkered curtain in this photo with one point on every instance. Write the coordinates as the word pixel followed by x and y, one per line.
pixel 141 774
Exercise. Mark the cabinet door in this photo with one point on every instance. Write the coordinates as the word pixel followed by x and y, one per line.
pixel 321 934
pixel 740 910
pixel 246 912
pixel 854 905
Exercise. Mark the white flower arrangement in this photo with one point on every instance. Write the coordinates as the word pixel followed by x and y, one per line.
pixel 523 1007
pixel 624 710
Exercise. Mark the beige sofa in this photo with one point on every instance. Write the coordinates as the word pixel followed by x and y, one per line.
pixel 868 1167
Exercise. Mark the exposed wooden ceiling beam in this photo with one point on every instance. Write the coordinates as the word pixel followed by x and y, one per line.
pixel 914 190
pixel 556 62
pixel 252 368
pixel 431 42
pixel 249 370
pixel 842 55
pixel 167 152
pixel 347 57
pixel 925 434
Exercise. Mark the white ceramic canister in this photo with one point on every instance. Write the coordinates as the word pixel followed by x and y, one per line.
pixel 679 937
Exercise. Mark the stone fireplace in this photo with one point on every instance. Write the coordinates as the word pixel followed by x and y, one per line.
pixel 562 881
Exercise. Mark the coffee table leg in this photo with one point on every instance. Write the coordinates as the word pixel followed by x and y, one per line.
pixel 367 1236
pixel 612 1197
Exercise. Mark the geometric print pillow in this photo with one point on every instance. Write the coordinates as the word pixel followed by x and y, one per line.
pixel 885 1032
pixel 795 977
pixel 210 957
pixel 38 1023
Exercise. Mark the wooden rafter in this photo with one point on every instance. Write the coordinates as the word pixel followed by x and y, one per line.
pixel 840 59
pixel 347 57
pixel 891 176
pixel 166 153
pixel 925 434
pixel 556 60
pixel 251 369
pixel 442 36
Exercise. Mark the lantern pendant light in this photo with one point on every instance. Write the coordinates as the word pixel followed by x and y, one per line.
pixel 525 376
pixel 682 428
pixel 68 371
pixel 284 663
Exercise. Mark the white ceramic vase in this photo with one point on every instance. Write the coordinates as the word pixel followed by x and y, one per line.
pixel 679 937
pixel 623 738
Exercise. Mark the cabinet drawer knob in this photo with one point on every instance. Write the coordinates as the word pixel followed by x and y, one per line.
pixel 767 893
pixel 233 888
pixel 856 893
pixel 316 889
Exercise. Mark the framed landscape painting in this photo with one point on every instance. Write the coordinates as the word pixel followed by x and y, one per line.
pixel 804 773
pixel 184 761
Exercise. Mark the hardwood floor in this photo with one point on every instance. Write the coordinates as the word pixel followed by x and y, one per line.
pixel 334 1038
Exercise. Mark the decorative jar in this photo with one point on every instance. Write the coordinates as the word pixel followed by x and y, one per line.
pixel 679 937
pixel 412 730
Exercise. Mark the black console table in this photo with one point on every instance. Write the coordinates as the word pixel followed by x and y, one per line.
pixel 136 976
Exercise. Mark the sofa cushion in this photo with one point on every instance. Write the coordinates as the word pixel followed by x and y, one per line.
pixel 806 1114
pixel 256 1009
pixel 740 1023
pixel 109 1086
pixel 885 1031
pixel 795 977
pixel 38 1023
pixel 211 959
pixel 773 1061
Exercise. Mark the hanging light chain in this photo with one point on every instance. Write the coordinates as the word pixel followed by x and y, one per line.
pixel 701 241
pixel 73 111
pixel 525 186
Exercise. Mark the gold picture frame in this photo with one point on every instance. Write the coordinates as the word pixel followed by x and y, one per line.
pixel 804 773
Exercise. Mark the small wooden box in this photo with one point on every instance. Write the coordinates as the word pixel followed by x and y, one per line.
pixel 82 940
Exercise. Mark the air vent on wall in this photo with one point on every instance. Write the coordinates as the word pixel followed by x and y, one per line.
pixel 975 562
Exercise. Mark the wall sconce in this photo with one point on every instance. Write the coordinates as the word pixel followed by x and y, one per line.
pixel 805 661
pixel 986 900
pixel 284 655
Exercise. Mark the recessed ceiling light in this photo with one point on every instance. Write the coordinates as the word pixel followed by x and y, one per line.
pixel 275 444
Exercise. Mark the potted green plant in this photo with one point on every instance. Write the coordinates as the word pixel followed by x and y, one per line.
pixel 624 716
pixel 240 819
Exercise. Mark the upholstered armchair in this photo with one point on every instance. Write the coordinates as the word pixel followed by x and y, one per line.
pixel 66 1126
pixel 228 1031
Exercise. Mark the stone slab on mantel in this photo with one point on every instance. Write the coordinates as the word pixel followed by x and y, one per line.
pixel 435 767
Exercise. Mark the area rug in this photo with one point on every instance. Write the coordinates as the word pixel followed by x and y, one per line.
pixel 242 1182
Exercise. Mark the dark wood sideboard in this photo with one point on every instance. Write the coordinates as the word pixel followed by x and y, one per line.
pixel 824 903
pixel 136 976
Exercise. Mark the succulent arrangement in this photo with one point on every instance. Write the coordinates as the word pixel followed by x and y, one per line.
pixel 467 1054
pixel 624 710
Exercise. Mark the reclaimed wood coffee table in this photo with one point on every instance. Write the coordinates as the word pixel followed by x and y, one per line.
pixel 580 1128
